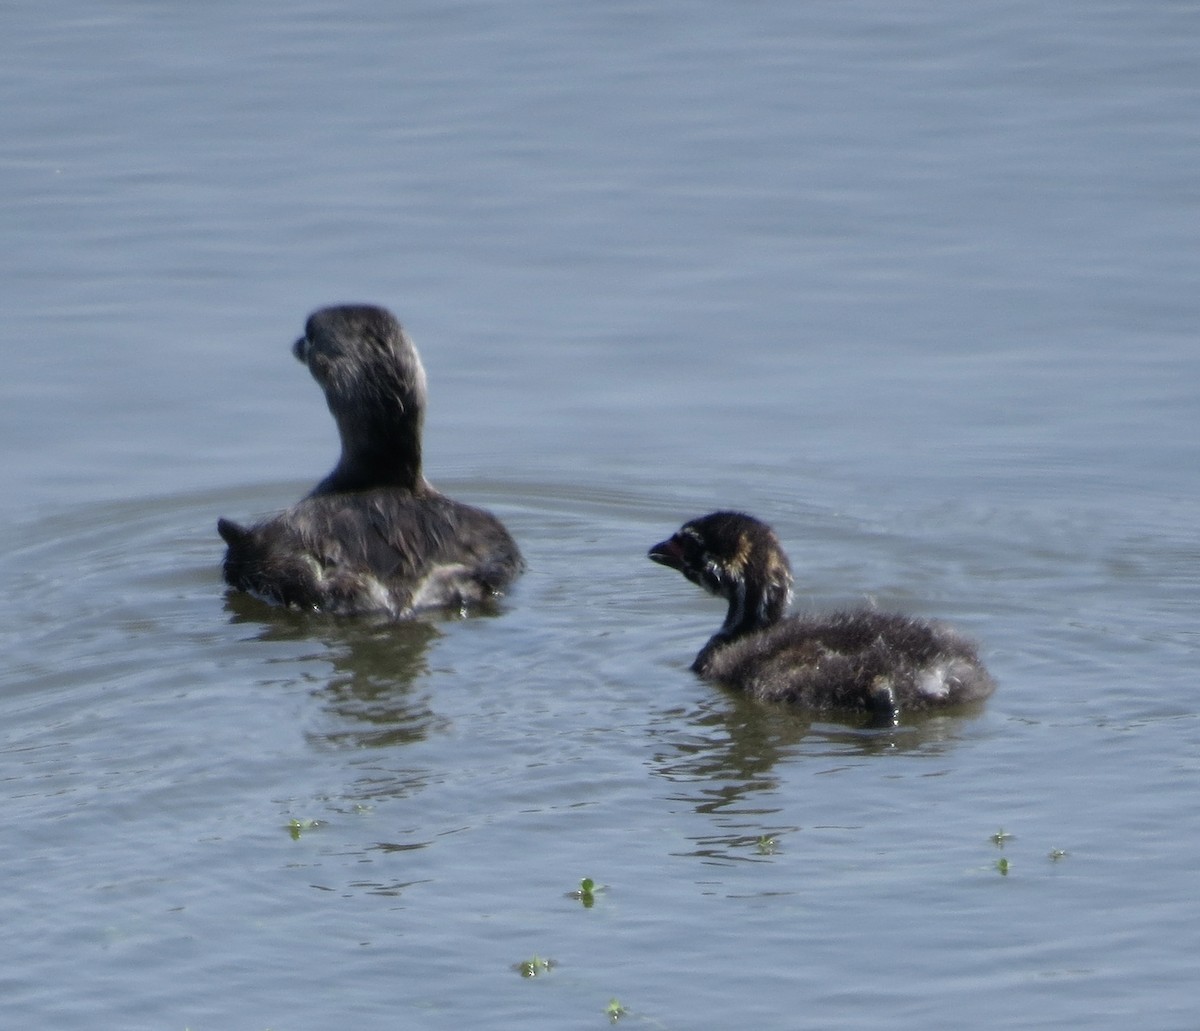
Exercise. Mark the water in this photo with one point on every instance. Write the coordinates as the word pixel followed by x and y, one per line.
pixel 916 285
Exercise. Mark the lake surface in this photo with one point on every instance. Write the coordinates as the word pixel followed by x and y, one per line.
pixel 914 283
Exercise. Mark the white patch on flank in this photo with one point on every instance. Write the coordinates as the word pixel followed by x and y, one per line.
pixel 933 682
pixel 445 585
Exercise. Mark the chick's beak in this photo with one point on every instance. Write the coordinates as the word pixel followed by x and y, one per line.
pixel 667 553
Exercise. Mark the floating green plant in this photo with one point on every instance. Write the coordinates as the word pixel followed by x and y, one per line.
pixel 615 1010
pixel 1000 838
pixel 767 845
pixel 1056 854
pixel 586 892
pixel 1002 866
pixel 298 827
pixel 535 966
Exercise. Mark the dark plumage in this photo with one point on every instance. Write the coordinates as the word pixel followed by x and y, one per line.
pixel 373 536
pixel 876 662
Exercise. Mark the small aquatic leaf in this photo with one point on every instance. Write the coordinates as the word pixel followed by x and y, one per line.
pixel 767 845
pixel 534 966
pixel 298 827
pixel 586 892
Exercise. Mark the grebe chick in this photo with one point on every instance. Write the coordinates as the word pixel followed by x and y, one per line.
pixel 373 536
pixel 876 662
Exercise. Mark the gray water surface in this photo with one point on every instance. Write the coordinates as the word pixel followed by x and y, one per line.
pixel 915 284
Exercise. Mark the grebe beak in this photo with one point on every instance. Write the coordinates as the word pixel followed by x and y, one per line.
pixel 667 553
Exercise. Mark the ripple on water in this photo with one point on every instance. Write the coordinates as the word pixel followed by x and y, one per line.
pixel 218 758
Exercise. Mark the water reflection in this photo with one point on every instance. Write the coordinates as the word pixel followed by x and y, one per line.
pixel 368 695
pixel 721 756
